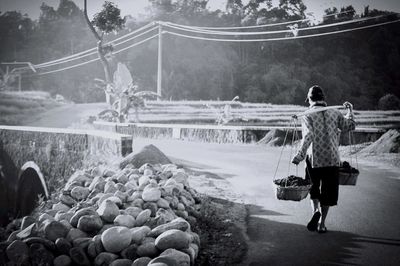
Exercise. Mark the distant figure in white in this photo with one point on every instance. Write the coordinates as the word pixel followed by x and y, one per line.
pixel 225 115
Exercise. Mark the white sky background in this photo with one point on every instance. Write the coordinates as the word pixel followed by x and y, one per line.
pixel 135 7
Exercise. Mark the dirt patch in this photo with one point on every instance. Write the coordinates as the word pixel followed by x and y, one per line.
pixel 387 143
pixel 149 154
pixel 221 229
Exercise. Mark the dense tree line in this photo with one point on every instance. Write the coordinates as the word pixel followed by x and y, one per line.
pixel 360 66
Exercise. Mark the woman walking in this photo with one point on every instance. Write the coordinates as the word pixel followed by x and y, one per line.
pixel 320 149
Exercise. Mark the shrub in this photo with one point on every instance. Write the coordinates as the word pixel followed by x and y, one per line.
pixel 389 102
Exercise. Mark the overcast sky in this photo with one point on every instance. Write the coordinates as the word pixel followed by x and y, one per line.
pixel 135 7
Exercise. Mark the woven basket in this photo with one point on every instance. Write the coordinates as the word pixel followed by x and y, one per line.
pixel 347 178
pixel 292 193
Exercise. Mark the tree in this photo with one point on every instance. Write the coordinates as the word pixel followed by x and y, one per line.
pixel 389 102
pixel 106 21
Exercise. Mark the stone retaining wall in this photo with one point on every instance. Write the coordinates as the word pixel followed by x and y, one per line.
pixel 58 152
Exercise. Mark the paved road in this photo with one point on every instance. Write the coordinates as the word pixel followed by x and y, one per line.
pixel 66 116
pixel 363 230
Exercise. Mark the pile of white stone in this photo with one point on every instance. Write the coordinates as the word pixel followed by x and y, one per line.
pixel 133 216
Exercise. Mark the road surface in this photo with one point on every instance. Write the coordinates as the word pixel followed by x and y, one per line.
pixel 364 229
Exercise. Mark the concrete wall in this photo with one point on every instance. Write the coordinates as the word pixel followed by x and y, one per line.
pixel 217 133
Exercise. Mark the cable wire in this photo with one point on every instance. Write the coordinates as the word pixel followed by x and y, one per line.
pixel 93 60
pixel 191 29
pixel 282 38
pixel 95 48
pixel 95 52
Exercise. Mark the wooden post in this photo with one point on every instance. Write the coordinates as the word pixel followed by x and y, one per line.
pixel 19 81
pixel 159 63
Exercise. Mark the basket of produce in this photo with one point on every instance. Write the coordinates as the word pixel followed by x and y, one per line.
pixel 348 174
pixel 292 188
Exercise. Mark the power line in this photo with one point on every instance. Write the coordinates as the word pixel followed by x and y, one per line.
pixel 93 60
pixel 193 29
pixel 280 39
pixel 95 48
pixel 95 52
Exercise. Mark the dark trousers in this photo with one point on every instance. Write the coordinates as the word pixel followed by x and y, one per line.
pixel 325 183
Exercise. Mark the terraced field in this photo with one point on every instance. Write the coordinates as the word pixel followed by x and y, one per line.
pixel 251 114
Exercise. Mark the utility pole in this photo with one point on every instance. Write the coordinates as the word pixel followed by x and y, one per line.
pixel 159 63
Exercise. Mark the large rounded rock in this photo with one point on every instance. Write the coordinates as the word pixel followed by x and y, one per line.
pixel 39 255
pixel 45 216
pixel 123 196
pixel 139 233
pixel 62 260
pixel 110 187
pixel 82 242
pixel 67 200
pixel 173 238
pixel 85 211
pixel 54 230
pixel 147 249
pixel 143 182
pixel 60 207
pixel 115 199
pixel 116 239
pixel 152 206
pixel 91 250
pixel 162 203
pixel 143 261
pixel 178 223
pixel 103 197
pixel 17 252
pixel 165 216
pixel 162 261
pixel 133 211
pixel 180 257
pixel 132 184
pixel 96 181
pixel 130 252
pixel 63 216
pixel 137 203
pixel 66 224
pixel 108 210
pixel 90 223
pixel 125 220
pixel 63 246
pixel 105 258
pixel 79 257
pixel 74 234
pixel 143 217
pixel 80 193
